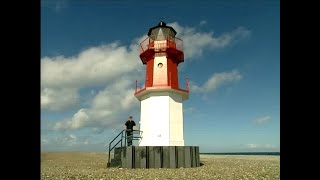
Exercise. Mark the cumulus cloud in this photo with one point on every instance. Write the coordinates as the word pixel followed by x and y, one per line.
pixel 44 141
pixel 216 80
pixel 195 42
pixel 105 65
pixel 105 109
pixel 255 146
pixel 93 66
pixel 189 110
pixel 203 22
pixel 68 140
pixel 58 99
pixel 114 67
pixel 262 120
pixel 56 5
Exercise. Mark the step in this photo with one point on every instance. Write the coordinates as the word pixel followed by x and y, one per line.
pixel 115 163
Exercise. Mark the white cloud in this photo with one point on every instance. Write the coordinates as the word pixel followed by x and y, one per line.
pixel 114 67
pixel 93 66
pixel 189 110
pixel 195 43
pixel 78 120
pixel 263 120
pixel 216 80
pixel 68 140
pixel 56 5
pixel 252 145
pixel 106 107
pixel 58 99
pixel 44 141
pixel 61 77
pixel 203 22
pixel 265 146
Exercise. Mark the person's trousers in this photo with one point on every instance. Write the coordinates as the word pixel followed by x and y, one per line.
pixel 129 138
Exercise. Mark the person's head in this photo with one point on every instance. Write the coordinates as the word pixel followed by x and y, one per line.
pixel 130 118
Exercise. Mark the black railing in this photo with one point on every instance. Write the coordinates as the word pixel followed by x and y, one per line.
pixel 120 141
pixel 159 42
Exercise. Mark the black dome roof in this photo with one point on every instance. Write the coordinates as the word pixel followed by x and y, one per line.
pixel 161 24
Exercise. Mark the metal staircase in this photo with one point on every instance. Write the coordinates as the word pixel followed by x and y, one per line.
pixel 122 136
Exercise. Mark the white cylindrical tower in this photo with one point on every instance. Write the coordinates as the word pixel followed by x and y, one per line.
pixel 161 120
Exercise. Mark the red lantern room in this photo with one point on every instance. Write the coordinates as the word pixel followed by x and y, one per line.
pixel 161 52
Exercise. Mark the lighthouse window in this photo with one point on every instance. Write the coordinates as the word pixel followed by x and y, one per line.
pixel 160 65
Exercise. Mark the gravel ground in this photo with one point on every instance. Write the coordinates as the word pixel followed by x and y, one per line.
pixel 84 165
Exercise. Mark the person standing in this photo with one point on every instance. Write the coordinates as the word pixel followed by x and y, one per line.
pixel 129 130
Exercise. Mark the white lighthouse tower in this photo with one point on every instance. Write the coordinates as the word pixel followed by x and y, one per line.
pixel 161 123
pixel 161 120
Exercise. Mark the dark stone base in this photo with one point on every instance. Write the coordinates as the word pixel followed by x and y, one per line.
pixel 156 157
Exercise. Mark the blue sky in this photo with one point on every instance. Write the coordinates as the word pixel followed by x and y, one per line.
pixel 90 61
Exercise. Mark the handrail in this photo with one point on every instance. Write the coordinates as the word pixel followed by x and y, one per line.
pixel 110 149
pixel 125 137
pixel 133 138
pixel 116 136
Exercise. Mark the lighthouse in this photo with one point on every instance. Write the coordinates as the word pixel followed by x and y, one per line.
pixel 161 141
pixel 161 117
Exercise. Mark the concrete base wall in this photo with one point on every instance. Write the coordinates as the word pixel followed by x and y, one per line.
pixel 158 156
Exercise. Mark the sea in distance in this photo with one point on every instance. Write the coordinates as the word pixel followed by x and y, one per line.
pixel 245 153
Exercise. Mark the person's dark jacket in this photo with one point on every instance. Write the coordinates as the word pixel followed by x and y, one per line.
pixel 130 124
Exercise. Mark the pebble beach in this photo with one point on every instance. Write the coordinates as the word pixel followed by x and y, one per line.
pixel 89 165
